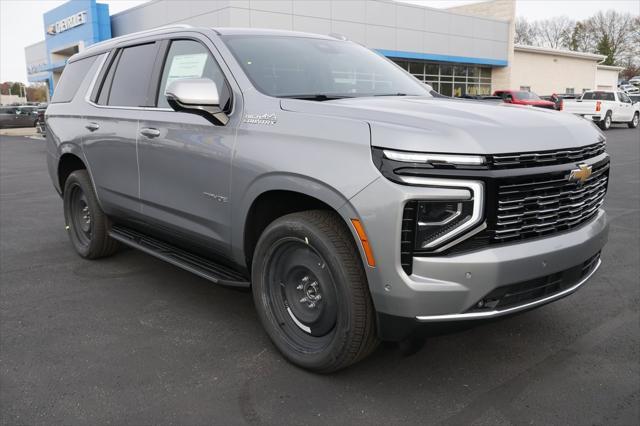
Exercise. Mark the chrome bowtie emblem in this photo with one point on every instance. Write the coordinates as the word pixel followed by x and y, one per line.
pixel 581 174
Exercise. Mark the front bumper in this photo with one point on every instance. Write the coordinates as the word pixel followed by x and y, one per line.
pixel 445 288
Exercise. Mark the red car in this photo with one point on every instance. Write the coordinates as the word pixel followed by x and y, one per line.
pixel 522 97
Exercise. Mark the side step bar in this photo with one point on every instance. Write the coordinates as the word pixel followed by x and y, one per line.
pixel 198 265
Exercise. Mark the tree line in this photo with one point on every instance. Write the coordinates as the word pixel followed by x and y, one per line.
pixel 34 92
pixel 613 34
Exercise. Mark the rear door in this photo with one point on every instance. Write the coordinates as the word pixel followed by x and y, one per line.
pixel 111 127
pixel 185 160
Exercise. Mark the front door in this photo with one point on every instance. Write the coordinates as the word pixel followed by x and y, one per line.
pixel 626 107
pixel 185 160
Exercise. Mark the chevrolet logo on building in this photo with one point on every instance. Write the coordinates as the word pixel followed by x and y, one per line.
pixel 581 174
pixel 67 23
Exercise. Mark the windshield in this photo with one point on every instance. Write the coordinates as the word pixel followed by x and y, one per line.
pixel 318 69
pixel 598 96
pixel 527 95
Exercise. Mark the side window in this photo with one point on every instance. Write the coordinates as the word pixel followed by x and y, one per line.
pixel 624 98
pixel 191 59
pixel 72 76
pixel 103 97
pixel 130 83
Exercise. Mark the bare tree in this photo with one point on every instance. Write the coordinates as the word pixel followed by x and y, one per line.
pixel 526 32
pixel 582 38
pixel 617 35
pixel 555 32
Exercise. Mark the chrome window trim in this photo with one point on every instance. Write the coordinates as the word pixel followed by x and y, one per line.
pixel 514 309
pixel 477 191
pixel 87 96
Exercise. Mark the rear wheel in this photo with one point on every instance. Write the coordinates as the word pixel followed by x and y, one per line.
pixel 606 122
pixel 634 122
pixel 311 292
pixel 86 223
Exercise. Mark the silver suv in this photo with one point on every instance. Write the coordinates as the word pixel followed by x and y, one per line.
pixel 354 202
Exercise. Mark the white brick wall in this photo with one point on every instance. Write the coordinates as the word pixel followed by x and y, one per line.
pixel 380 24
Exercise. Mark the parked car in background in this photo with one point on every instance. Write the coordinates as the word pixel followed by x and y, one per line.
pixel 635 80
pixel 41 126
pixel 523 97
pixel 604 108
pixel 17 116
pixel 629 88
pixel 558 98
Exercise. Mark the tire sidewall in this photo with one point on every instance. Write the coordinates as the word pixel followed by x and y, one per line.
pixel 606 123
pixel 634 121
pixel 80 180
pixel 287 228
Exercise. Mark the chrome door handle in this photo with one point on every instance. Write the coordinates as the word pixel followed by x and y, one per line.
pixel 92 127
pixel 150 132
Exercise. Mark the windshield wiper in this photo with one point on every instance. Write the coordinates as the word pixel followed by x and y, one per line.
pixel 317 97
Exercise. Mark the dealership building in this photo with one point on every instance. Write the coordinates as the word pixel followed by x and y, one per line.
pixel 465 50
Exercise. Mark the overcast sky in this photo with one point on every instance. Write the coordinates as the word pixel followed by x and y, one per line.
pixel 21 21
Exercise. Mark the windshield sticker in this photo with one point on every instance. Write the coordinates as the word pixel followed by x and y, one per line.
pixel 186 66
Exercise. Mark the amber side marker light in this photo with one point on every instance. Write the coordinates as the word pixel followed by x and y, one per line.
pixel 357 225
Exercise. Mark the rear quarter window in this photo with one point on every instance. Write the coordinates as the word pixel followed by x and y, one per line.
pixel 72 77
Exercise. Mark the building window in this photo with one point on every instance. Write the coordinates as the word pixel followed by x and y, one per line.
pixel 450 79
pixel 570 91
pixel 525 88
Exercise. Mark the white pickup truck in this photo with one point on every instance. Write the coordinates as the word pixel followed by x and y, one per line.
pixel 604 108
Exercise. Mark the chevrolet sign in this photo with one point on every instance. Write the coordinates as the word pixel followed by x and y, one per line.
pixel 67 23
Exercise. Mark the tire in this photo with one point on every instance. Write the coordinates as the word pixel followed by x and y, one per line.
pixel 634 121
pixel 311 292
pixel 85 221
pixel 605 124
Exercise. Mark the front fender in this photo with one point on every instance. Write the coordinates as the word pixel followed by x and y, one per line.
pixel 280 181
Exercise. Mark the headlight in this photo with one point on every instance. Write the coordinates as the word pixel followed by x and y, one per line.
pixel 434 159
pixel 436 219
pixel 449 212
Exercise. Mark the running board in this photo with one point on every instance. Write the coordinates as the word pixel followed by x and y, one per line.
pixel 198 265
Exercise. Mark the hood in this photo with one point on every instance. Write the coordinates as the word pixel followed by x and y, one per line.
pixel 456 126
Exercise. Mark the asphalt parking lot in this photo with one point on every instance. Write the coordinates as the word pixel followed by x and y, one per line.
pixel 132 340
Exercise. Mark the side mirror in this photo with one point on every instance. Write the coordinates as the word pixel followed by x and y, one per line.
pixel 197 96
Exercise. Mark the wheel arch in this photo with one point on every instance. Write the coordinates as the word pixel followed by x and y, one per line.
pixel 68 163
pixel 277 195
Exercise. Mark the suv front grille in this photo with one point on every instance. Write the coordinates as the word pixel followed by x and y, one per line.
pixel 540 206
pixel 545 158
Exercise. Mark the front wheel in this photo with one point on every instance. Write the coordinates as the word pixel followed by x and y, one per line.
pixel 634 122
pixel 311 292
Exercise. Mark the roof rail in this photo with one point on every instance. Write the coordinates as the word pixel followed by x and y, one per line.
pixel 134 35
pixel 339 36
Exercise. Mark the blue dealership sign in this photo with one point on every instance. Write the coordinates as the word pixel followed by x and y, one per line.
pixel 72 27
